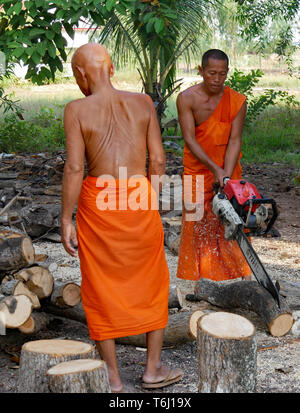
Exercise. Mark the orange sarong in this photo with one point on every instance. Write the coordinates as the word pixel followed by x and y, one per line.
pixel 125 277
pixel 204 252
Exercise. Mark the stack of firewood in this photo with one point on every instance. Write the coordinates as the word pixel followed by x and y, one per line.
pixel 28 286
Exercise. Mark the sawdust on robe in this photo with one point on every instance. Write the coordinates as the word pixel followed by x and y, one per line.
pixel 125 277
pixel 204 252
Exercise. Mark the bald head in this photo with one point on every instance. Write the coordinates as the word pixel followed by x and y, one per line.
pixel 91 65
pixel 91 55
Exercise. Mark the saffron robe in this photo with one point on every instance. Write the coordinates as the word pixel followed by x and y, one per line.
pixel 125 277
pixel 204 251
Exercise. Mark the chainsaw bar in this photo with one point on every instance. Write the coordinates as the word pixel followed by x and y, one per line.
pixel 256 266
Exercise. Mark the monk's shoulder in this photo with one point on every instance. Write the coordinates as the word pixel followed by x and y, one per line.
pixel 187 96
pixel 74 106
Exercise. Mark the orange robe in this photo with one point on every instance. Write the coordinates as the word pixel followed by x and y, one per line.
pixel 203 250
pixel 125 277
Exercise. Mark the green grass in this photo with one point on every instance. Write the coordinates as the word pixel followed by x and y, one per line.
pixel 273 137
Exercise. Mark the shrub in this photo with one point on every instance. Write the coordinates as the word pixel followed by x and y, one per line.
pixel 44 132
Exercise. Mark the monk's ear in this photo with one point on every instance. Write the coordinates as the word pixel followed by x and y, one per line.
pixel 200 70
pixel 112 70
pixel 80 71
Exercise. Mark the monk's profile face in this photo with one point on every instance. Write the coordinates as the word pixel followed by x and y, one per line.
pixel 91 65
pixel 214 75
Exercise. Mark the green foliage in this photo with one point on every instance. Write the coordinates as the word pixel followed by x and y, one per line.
pixel 44 132
pixel 256 104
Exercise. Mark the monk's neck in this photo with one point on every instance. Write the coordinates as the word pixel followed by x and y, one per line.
pixel 100 84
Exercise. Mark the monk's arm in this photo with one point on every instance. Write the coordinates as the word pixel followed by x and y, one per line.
pixel 187 125
pixel 156 153
pixel 72 177
pixel 235 141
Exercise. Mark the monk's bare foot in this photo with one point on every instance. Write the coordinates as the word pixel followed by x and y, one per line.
pixel 246 278
pixel 116 385
pixel 159 374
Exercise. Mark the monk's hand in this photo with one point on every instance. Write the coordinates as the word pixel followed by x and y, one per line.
pixel 220 174
pixel 69 238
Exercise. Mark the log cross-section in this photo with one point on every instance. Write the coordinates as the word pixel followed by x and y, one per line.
pixel 79 376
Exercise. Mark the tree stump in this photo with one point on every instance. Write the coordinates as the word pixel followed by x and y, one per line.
pixel 79 376
pixel 227 354
pixel 248 295
pixel 16 251
pixel 38 356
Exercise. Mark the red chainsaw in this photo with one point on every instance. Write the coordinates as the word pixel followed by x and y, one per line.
pixel 240 206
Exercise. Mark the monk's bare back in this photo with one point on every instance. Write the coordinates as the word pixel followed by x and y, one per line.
pixel 114 129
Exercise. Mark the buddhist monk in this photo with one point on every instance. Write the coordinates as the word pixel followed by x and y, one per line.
pixel 211 117
pixel 125 278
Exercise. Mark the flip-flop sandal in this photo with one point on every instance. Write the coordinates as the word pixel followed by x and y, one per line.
pixel 174 376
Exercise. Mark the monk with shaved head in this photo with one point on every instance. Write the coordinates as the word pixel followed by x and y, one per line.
pixel 119 234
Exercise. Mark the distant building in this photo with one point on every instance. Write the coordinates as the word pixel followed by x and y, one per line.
pixel 81 36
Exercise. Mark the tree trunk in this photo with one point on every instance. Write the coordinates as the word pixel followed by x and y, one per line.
pixel 16 251
pixel 38 356
pixel 247 295
pixel 227 354
pixel 15 310
pixel 35 323
pixel 79 376
pixel 65 294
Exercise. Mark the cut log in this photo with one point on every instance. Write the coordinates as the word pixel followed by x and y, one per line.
pixel 227 354
pixel 66 294
pixel 79 376
pixel 38 280
pixel 39 219
pixel 290 290
pixel 175 297
pixel 15 310
pixel 17 287
pixel 35 323
pixel 38 356
pixel 73 313
pixel 247 295
pixel 176 332
pixel 16 251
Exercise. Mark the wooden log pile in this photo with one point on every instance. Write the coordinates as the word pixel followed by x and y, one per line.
pixel 30 191
pixel 27 284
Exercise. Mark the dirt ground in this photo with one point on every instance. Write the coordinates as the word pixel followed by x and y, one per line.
pixel 278 360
